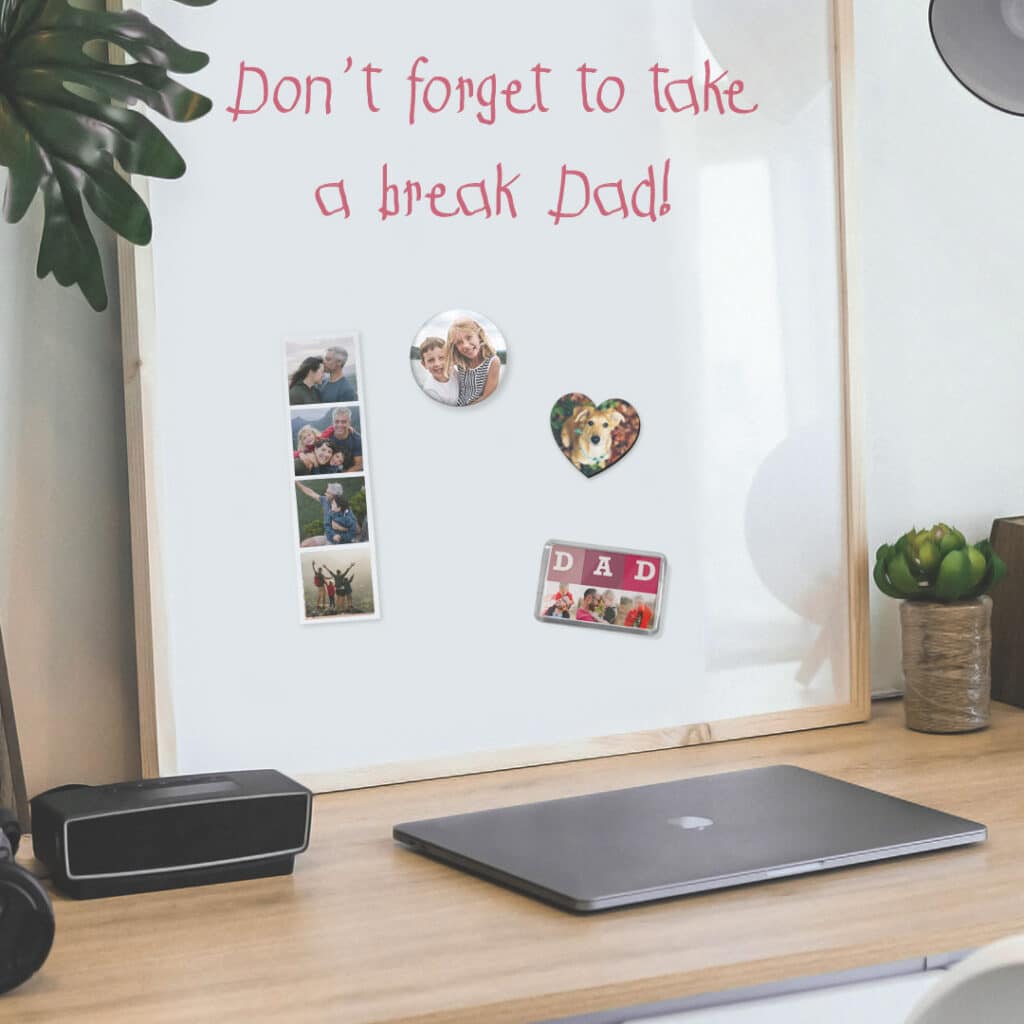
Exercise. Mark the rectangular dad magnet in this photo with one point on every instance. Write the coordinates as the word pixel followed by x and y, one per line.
pixel 601 588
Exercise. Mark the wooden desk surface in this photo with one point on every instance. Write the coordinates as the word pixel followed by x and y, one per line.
pixel 366 931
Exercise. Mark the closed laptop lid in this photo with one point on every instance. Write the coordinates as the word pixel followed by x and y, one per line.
pixel 649 842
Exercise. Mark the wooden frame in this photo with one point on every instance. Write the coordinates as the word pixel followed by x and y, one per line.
pixel 156 722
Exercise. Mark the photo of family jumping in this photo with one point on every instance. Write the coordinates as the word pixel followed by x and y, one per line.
pixel 332 512
pixel 459 358
pixel 594 606
pixel 337 583
pixel 322 372
pixel 326 441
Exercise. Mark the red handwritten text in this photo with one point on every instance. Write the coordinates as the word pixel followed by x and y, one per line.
pixel 472 199
pixel 288 92
pixel 336 190
pixel 438 93
pixel 577 194
pixel 679 94
pixel 612 86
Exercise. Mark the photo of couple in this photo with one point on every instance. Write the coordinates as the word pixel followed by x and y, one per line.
pixel 337 583
pixel 332 512
pixel 326 441
pixel 321 373
pixel 458 358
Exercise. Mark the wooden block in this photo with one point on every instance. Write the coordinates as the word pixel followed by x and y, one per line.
pixel 1008 613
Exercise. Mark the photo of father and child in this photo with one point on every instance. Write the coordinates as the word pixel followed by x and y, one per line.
pixel 332 512
pixel 458 358
pixel 598 607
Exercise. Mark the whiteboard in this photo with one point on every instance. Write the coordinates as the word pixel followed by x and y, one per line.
pixel 722 311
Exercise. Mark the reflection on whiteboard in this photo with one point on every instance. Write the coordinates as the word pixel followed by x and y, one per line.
pixel 718 319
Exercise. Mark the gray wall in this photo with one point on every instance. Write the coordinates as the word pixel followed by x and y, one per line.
pixel 65 580
pixel 943 234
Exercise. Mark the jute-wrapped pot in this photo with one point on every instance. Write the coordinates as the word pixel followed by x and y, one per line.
pixel 947 651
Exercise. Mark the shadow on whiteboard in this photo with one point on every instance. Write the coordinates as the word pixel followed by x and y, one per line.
pixel 795 539
pixel 741 34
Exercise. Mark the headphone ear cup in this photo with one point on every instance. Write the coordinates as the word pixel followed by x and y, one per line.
pixel 26 925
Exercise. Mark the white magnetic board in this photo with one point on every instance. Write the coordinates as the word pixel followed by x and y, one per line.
pixel 718 306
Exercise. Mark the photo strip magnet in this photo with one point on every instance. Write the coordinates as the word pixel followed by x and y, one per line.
pixel 335 549
pixel 605 588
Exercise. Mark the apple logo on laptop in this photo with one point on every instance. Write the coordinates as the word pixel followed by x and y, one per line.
pixel 691 822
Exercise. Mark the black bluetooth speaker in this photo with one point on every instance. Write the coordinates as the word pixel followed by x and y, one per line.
pixel 167 833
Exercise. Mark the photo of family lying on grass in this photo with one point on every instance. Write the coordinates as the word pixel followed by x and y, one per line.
pixel 332 512
pixel 337 583
pixel 327 441
pixel 458 358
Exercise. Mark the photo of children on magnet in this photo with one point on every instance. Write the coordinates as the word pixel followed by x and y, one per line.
pixel 608 588
pixel 332 512
pixel 326 441
pixel 337 582
pixel 594 435
pixel 459 358
pixel 322 372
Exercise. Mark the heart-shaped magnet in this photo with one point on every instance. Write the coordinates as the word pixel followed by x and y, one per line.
pixel 591 436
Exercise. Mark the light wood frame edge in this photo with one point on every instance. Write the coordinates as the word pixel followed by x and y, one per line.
pixel 851 319
pixel 138 341
pixel 155 718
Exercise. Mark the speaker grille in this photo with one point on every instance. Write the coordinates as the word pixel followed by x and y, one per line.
pixel 186 835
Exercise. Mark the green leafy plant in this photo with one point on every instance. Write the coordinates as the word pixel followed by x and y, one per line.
pixel 937 565
pixel 65 130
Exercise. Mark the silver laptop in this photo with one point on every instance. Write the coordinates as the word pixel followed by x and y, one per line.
pixel 625 846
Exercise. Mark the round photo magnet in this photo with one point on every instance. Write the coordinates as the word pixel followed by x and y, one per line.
pixel 459 358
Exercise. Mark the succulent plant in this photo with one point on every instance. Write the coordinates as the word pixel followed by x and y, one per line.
pixel 937 565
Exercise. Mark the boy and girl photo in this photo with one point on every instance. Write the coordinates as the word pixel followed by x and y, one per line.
pixel 321 373
pixel 332 512
pixel 337 583
pixel 591 605
pixel 327 442
pixel 458 358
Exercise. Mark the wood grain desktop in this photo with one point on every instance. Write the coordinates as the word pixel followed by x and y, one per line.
pixel 365 931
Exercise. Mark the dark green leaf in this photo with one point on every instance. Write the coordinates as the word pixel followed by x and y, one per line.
pixel 995 570
pixel 19 152
pixel 882 581
pixel 64 129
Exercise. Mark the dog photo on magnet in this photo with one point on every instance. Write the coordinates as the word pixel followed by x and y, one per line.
pixel 594 436
pixel 607 588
